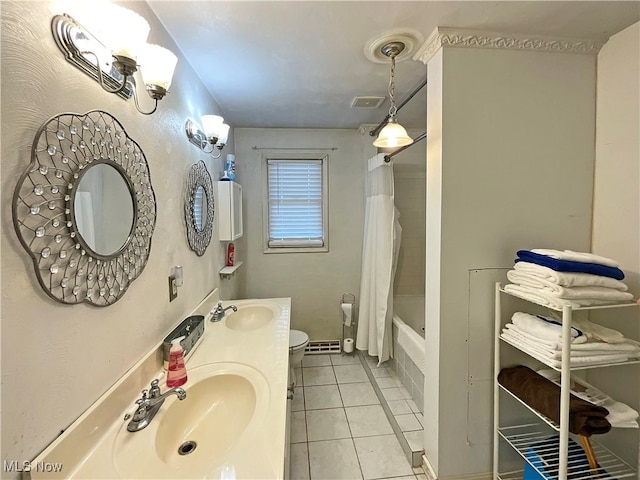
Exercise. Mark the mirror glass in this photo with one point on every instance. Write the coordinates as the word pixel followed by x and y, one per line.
pixel 103 209
pixel 199 208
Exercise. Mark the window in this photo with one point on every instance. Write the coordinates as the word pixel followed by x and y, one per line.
pixel 295 204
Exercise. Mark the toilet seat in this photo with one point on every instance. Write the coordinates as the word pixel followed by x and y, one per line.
pixel 297 339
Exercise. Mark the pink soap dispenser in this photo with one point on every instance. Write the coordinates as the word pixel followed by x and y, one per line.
pixel 177 372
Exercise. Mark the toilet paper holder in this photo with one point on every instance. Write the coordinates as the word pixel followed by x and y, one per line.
pixel 347 307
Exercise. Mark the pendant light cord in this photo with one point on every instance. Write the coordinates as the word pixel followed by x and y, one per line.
pixel 392 110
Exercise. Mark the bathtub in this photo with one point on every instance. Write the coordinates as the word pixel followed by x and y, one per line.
pixel 408 344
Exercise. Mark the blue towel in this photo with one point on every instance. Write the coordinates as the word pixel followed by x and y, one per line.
pixel 569 266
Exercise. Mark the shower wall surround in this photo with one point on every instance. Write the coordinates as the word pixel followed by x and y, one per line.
pixel 409 171
pixel 74 353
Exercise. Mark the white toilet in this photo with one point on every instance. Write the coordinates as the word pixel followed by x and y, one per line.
pixel 298 341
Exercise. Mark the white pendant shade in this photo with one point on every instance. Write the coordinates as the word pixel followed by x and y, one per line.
pixel 393 135
pixel 157 65
pixel 211 125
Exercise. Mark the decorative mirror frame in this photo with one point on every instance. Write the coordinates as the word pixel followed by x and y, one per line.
pixel 199 177
pixel 67 269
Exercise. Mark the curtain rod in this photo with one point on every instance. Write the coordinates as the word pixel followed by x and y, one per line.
pixel 255 147
pixel 387 158
pixel 376 130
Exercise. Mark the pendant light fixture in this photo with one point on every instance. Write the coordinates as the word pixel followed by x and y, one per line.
pixel 393 134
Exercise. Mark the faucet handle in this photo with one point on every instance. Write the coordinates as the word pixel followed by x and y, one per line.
pixel 141 411
pixel 154 391
pixel 144 394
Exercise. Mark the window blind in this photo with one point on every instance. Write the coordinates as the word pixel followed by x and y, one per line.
pixel 295 203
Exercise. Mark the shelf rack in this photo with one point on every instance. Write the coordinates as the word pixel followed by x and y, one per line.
pixel 228 272
pixel 521 437
pixel 524 437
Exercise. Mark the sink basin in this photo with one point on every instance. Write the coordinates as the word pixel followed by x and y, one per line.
pixel 217 412
pixel 193 438
pixel 249 318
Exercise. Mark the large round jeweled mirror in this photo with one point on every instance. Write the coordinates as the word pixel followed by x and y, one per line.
pixel 103 209
pixel 84 208
pixel 199 208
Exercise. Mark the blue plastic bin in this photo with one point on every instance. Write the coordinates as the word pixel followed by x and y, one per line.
pixel 539 455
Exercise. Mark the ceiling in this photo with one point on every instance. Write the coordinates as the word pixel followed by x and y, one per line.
pixel 299 64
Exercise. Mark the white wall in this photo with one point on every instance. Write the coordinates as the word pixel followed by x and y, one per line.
pixel 314 281
pixel 509 166
pixel 58 359
pixel 616 207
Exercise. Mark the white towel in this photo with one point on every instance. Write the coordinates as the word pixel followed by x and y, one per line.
pixel 541 327
pixel 582 292
pixel 598 332
pixel 548 344
pixel 536 295
pixel 542 297
pixel 574 361
pixel 555 351
pixel 569 279
pixel 621 415
pixel 576 256
pixel 579 345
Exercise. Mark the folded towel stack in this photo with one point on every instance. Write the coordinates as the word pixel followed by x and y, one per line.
pixel 565 278
pixel 543 395
pixel 591 344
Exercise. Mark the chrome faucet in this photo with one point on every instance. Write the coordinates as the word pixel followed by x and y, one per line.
pixel 149 405
pixel 218 313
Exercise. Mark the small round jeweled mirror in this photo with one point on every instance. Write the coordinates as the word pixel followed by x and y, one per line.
pixel 199 208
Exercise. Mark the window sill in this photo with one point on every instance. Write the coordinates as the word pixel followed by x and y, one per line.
pixel 324 249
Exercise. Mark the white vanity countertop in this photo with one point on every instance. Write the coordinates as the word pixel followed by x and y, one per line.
pixel 259 453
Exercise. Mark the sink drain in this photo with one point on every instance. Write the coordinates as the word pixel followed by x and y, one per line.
pixel 187 447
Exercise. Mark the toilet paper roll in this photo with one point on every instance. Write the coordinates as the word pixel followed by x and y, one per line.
pixel 348 345
pixel 347 310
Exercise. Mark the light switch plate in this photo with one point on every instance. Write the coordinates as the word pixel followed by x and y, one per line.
pixel 173 288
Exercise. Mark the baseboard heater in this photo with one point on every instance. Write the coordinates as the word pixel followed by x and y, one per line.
pixel 326 346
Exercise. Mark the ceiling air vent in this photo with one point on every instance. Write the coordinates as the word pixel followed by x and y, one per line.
pixel 367 102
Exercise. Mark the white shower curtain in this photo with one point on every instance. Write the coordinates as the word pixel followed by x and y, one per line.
pixel 381 243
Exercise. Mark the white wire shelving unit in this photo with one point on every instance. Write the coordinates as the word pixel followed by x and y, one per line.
pixel 546 445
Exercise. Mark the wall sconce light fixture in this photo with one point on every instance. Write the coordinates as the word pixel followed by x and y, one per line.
pixel 214 134
pixel 393 134
pixel 113 54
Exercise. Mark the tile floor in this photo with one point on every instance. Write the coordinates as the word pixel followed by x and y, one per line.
pixel 338 428
pixel 405 411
